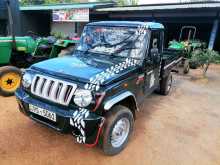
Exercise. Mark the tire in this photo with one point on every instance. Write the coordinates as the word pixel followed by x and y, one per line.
pixel 118 114
pixel 186 67
pixel 193 65
pixel 10 79
pixel 166 85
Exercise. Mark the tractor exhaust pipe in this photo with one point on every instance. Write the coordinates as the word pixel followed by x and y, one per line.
pixel 11 24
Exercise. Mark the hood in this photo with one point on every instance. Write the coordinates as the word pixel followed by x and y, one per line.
pixel 85 68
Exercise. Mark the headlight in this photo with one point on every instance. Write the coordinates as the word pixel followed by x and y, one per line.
pixel 27 80
pixel 82 97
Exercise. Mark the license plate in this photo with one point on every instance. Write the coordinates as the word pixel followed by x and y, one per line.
pixel 43 112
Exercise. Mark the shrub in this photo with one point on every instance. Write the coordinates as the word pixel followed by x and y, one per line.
pixel 203 58
pixel 58 35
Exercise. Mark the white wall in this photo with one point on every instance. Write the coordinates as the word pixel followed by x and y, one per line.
pixel 66 28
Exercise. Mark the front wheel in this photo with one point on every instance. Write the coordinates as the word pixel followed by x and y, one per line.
pixel 10 79
pixel 117 130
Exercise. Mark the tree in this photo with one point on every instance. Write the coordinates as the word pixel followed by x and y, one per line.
pixel 122 2
pixel 31 2
pixel 126 2
pixel 59 1
pixel 37 2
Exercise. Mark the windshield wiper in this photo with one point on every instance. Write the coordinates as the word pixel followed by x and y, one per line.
pixel 126 48
pixel 94 46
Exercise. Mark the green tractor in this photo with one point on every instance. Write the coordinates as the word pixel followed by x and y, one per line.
pixel 10 76
pixel 50 47
pixel 21 52
pixel 187 44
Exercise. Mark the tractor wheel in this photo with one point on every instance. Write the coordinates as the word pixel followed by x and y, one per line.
pixel 10 79
pixel 66 51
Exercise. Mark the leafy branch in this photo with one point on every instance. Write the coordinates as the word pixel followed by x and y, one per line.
pixel 203 59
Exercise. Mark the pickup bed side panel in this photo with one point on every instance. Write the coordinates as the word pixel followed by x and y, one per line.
pixel 170 59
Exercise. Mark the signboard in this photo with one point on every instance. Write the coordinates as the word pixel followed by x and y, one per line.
pixel 71 15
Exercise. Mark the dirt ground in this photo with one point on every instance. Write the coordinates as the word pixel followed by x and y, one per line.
pixel 180 129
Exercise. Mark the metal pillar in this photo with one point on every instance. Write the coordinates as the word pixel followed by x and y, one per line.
pixel 213 34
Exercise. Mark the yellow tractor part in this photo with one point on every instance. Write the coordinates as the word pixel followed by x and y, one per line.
pixel 9 82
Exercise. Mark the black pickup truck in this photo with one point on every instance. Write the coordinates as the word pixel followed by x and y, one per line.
pixel 94 93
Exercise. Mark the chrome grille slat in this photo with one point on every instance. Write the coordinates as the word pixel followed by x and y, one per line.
pixel 69 89
pixel 54 90
pixel 39 85
pixel 46 88
pixel 57 91
pixel 50 87
pixel 63 93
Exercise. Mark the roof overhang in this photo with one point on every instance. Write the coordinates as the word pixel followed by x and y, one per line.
pixel 67 6
pixel 153 7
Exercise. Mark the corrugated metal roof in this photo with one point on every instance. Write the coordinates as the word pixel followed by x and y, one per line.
pixel 67 6
pixel 162 7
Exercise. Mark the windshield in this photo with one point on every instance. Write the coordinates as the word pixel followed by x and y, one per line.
pixel 117 41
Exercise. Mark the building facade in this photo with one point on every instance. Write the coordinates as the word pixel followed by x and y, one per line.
pixel 203 15
pixel 68 19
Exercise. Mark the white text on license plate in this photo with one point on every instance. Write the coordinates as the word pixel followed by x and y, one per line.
pixel 43 112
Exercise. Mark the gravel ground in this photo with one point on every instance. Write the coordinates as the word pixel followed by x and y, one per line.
pixel 180 129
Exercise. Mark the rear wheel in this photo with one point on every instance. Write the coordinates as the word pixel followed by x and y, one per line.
pixel 117 130
pixel 166 84
pixel 10 79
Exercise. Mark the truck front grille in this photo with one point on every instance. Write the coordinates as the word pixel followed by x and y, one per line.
pixel 52 89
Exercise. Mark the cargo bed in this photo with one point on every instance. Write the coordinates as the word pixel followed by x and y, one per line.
pixel 170 59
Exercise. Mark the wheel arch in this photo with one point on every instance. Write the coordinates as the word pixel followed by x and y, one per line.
pixel 126 99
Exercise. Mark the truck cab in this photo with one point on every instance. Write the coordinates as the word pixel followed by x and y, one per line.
pixel 95 92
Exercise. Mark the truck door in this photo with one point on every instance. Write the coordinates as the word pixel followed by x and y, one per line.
pixel 153 61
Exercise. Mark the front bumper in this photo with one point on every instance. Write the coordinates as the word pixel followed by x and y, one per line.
pixel 84 125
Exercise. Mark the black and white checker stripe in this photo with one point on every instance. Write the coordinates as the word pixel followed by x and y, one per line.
pixel 97 80
pixel 77 121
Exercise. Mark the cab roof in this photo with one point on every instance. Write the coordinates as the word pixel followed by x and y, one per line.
pixel 149 25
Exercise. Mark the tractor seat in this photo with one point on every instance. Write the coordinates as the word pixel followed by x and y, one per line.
pixel 44 47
